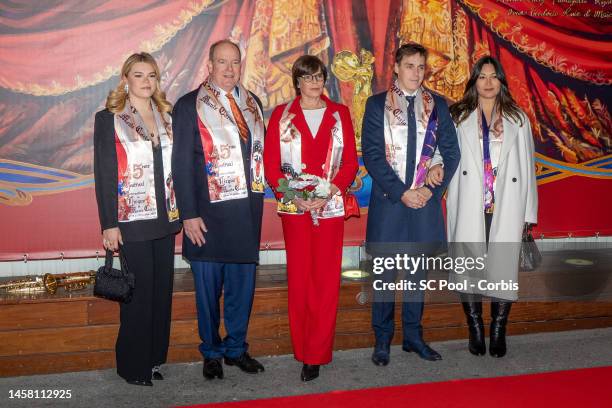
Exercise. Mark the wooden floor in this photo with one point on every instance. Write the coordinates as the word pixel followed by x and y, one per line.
pixel 76 331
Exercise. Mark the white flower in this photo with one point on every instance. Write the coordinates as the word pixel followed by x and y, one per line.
pixel 306 176
pixel 299 185
pixel 323 188
pixel 302 181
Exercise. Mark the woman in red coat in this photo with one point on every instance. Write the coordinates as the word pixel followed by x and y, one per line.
pixel 314 135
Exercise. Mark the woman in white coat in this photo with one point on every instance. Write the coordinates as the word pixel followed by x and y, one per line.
pixel 492 195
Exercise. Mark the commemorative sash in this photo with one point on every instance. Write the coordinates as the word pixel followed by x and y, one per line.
pixel 136 175
pixel 491 133
pixel 396 131
pixel 291 161
pixel 221 143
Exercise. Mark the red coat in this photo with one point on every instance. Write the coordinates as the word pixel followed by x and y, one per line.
pixel 314 253
pixel 314 151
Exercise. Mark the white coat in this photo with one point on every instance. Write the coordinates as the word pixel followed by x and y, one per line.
pixel 516 199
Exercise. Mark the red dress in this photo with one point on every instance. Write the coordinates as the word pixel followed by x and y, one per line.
pixel 314 253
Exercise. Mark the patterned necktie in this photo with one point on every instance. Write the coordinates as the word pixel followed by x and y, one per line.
pixel 243 128
pixel 412 139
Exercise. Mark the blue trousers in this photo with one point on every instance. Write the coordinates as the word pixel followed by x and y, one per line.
pixel 383 311
pixel 237 282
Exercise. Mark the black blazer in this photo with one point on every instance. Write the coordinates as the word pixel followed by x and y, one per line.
pixel 234 226
pixel 105 173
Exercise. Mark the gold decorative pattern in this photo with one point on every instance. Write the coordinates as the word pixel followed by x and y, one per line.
pixel 481 49
pixel 348 67
pixel 549 170
pixel 427 23
pixel 541 52
pixel 163 34
pixel 294 22
pixel 20 182
pixel 280 32
pixel 524 100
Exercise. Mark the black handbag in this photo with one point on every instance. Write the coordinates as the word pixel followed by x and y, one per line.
pixel 529 257
pixel 113 284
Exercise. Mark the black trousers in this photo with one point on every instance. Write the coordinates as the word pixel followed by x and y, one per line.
pixel 144 332
pixel 488 220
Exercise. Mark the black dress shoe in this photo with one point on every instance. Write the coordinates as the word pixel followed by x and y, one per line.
pixel 246 363
pixel 426 352
pixel 309 372
pixel 380 356
pixel 156 374
pixel 212 368
pixel 146 383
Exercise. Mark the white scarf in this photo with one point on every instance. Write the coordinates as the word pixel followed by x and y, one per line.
pixel 396 126
pixel 221 143
pixel 291 161
pixel 136 188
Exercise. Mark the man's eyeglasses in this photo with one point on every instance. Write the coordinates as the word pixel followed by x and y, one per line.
pixel 313 78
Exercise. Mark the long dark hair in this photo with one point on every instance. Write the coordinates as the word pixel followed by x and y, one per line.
pixel 505 103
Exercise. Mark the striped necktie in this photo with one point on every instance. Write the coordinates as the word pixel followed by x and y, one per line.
pixel 243 128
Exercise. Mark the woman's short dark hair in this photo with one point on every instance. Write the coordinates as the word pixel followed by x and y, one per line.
pixel 409 49
pixel 306 65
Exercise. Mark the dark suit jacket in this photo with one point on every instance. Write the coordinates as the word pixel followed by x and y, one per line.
pixel 234 226
pixel 105 174
pixel 389 220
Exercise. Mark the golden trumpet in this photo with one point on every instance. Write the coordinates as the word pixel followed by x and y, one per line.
pixel 49 282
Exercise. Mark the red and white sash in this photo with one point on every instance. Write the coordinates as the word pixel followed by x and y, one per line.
pixel 396 126
pixel 136 175
pixel 291 161
pixel 221 143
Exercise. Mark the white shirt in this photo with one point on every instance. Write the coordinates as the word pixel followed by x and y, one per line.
pixel 314 117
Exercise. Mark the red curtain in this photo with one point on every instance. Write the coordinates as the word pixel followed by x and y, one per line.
pixel 579 47
pixel 60 58
pixel 51 51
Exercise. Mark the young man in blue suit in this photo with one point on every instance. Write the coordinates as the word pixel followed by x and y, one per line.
pixel 402 128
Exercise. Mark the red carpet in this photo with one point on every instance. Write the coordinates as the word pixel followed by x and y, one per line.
pixel 589 387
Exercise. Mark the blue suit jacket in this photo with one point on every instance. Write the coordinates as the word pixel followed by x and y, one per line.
pixel 389 220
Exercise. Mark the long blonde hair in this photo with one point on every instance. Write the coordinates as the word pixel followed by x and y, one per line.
pixel 115 102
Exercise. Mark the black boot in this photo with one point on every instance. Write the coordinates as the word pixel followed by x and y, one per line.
pixel 499 319
pixel 472 307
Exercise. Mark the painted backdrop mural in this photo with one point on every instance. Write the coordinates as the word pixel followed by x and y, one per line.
pixel 59 59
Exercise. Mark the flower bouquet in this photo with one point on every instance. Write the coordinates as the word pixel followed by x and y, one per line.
pixel 304 186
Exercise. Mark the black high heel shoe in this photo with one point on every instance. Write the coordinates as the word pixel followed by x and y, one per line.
pixel 156 374
pixel 309 372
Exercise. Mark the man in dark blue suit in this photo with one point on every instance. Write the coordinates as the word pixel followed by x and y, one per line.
pixel 216 166
pixel 402 128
